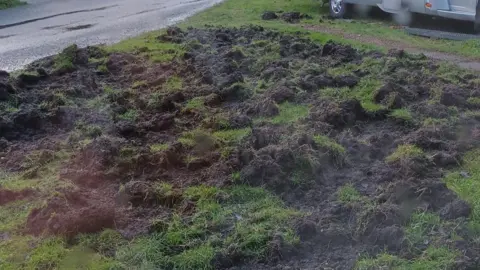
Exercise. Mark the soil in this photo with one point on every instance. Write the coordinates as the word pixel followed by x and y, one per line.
pixel 114 170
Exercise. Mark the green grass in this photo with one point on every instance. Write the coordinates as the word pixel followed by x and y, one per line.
pixel 48 255
pixel 197 137
pixel 363 92
pixel 289 113
pixel 383 30
pixel 421 225
pixel 130 115
pixel 402 114
pixel 64 61
pixel 405 151
pixel 332 146
pixel 434 122
pixel 191 243
pixel 173 83
pixel 232 137
pixel 431 258
pixel 155 148
pixel 4 4
pixel 196 103
pixel 148 46
pixel 474 100
pixel 468 188
pixel 348 194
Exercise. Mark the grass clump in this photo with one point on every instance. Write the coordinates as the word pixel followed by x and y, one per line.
pixel 138 84
pixel 289 113
pixel 431 258
pixel 232 137
pixel 420 226
pixel 474 100
pixel 48 255
pixel 329 144
pixel 130 115
pixel 158 147
pixel 4 4
pixel 64 61
pixel 468 188
pixel 364 92
pixel 198 137
pixel 348 194
pixel 405 151
pixel 402 115
pixel 196 103
pixel 173 83
pixel 148 46
pixel 192 243
pixel 434 122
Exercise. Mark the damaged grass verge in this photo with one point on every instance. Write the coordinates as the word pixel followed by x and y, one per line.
pixel 158 149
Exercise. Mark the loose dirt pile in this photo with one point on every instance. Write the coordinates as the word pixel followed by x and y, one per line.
pixel 357 142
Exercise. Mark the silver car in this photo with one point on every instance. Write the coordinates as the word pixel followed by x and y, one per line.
pixel 465 10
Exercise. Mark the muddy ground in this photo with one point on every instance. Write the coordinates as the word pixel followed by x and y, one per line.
pixel 354 143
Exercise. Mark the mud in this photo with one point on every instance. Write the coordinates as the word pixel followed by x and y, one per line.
pixel 114 169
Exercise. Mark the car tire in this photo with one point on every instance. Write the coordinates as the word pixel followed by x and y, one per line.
pixel 339 9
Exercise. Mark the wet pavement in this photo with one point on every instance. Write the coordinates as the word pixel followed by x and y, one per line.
pixel 45 27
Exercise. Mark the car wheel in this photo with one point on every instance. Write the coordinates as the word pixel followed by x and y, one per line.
pixel 338 9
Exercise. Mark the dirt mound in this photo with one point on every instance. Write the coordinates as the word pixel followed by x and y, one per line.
pixel 7 196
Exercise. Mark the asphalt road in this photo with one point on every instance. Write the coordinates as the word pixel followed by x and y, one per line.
pixel 45 27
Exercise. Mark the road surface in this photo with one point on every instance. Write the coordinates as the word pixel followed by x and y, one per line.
pixel 45 27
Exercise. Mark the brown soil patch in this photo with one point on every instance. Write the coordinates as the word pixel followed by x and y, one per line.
pixel 7 196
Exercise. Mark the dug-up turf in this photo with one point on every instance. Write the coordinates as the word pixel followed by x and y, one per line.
pixel 355 144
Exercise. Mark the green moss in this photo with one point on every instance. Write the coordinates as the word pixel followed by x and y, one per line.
pixel 405 151
pixel 468 188
pixel 401 114
pixel 130 115
pixel 155 148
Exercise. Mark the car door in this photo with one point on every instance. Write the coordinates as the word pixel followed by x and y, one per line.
pixel 464 6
